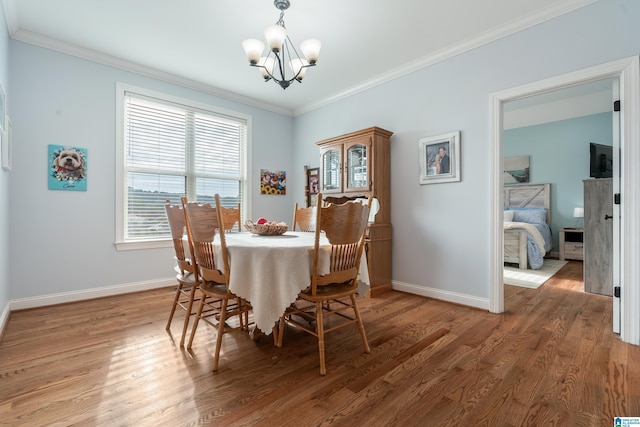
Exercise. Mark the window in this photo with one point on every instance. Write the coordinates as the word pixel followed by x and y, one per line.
pixel 168 149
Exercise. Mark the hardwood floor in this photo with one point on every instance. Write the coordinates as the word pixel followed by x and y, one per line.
pixel 551 359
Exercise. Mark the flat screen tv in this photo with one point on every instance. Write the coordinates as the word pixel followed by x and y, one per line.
pixel 601 159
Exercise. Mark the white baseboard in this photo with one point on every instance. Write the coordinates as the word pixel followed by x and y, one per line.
pixel 439 294
pixel 4 318
pixel 63 297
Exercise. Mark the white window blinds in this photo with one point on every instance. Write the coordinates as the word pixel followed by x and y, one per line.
pixel 172 150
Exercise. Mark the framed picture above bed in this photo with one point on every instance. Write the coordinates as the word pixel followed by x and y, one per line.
pixel 516 170
pixel 440 158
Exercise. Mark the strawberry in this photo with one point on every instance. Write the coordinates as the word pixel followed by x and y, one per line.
pixel 262 221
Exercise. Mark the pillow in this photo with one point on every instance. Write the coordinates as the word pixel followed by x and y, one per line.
pixel 508 216
pixel 532 216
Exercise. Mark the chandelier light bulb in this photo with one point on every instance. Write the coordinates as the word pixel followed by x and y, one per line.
pixel 281 52
pixel 298 67
pixel 253 48
pixel 266 67
pixel 275 35
pixel 311 50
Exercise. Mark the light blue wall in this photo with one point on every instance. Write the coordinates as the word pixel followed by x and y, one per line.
pixel 5 178
pixel 441 235
pixel 440 231
pixel 559 154
pixel 65 239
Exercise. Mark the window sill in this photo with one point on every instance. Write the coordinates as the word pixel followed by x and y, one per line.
pixel 150 244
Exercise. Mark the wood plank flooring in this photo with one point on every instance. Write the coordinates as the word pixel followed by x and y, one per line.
pixel 551 359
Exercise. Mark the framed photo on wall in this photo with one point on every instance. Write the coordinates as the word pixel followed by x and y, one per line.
pixel 516 170
pixel 67 168
pixel 313 186
pixel 440 158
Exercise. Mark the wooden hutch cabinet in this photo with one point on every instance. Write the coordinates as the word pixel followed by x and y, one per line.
pixel 358 165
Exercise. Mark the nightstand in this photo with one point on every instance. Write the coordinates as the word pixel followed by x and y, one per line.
pixel 571 244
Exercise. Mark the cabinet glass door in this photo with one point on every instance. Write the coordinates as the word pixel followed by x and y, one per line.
pixel 331 170
pixel 357 176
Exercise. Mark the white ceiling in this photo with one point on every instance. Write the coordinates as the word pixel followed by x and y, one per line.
pixel 576 101
pixel 197 43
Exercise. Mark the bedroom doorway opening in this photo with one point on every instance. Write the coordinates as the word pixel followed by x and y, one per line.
pixel 628 72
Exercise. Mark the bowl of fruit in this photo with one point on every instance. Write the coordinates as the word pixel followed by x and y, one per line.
pixel 264 227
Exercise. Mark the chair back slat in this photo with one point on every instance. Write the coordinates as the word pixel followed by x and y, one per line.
pixel 343 223
pixel 304 219
pixel 231 217
pixel 343 257
pixel 344 226
pixel 204 222
pixel 177 225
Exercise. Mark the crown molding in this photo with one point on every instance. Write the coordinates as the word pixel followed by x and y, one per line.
pixel 460 48
pixel 92 55
pixel 11 16
pixel 503 31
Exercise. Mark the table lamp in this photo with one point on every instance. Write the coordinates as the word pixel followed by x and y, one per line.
pixel 578 213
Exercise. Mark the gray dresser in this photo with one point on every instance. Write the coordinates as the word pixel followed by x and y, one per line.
pixel 598 236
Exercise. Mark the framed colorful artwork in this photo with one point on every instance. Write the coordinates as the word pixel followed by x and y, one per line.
pixel 273 182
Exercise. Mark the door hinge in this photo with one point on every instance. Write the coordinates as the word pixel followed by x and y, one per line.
pixel 616 291
pixel 616 199
pixel 616 105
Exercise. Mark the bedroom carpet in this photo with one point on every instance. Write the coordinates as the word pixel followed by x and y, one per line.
pixel 532 278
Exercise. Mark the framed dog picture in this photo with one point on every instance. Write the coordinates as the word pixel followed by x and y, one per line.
pixel 67 168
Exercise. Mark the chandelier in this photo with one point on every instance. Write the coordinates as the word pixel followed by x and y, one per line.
pixel 281 53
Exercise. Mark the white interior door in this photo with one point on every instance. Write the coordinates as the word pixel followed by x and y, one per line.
pixel 616 207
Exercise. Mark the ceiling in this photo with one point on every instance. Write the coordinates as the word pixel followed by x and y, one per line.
pixel 567 103
pixel 197 43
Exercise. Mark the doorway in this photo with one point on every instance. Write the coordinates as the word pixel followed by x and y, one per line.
pixel 627 71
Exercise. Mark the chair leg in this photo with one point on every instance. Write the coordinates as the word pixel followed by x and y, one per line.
pixel 196 320
pixel 192 295
pixel 223 316
pixel 360 324
pixel 173 307
pixel 320 332
pixel 274 331
pixel 246 314
pixel 243 314
pixel 280 331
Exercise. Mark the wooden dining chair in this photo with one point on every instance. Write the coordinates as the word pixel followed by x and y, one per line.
pixel 231 217
pixel 187 274
pixel 204 222
pixel 304 219
pixel 344 227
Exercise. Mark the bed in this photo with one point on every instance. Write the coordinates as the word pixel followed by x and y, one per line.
pixel 527 215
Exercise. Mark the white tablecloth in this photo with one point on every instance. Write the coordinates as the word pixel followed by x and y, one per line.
pixel 270 271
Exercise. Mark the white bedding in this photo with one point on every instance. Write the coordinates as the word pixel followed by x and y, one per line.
pixel 533 232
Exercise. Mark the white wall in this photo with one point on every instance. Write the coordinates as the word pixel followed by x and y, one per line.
pixel 62 241
pixel 4 181
pixel 441 231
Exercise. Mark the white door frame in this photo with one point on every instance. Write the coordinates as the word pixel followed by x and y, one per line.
pixel 615 212
pixel 628 71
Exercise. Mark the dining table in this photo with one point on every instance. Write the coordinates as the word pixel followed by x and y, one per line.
pixel 270 271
